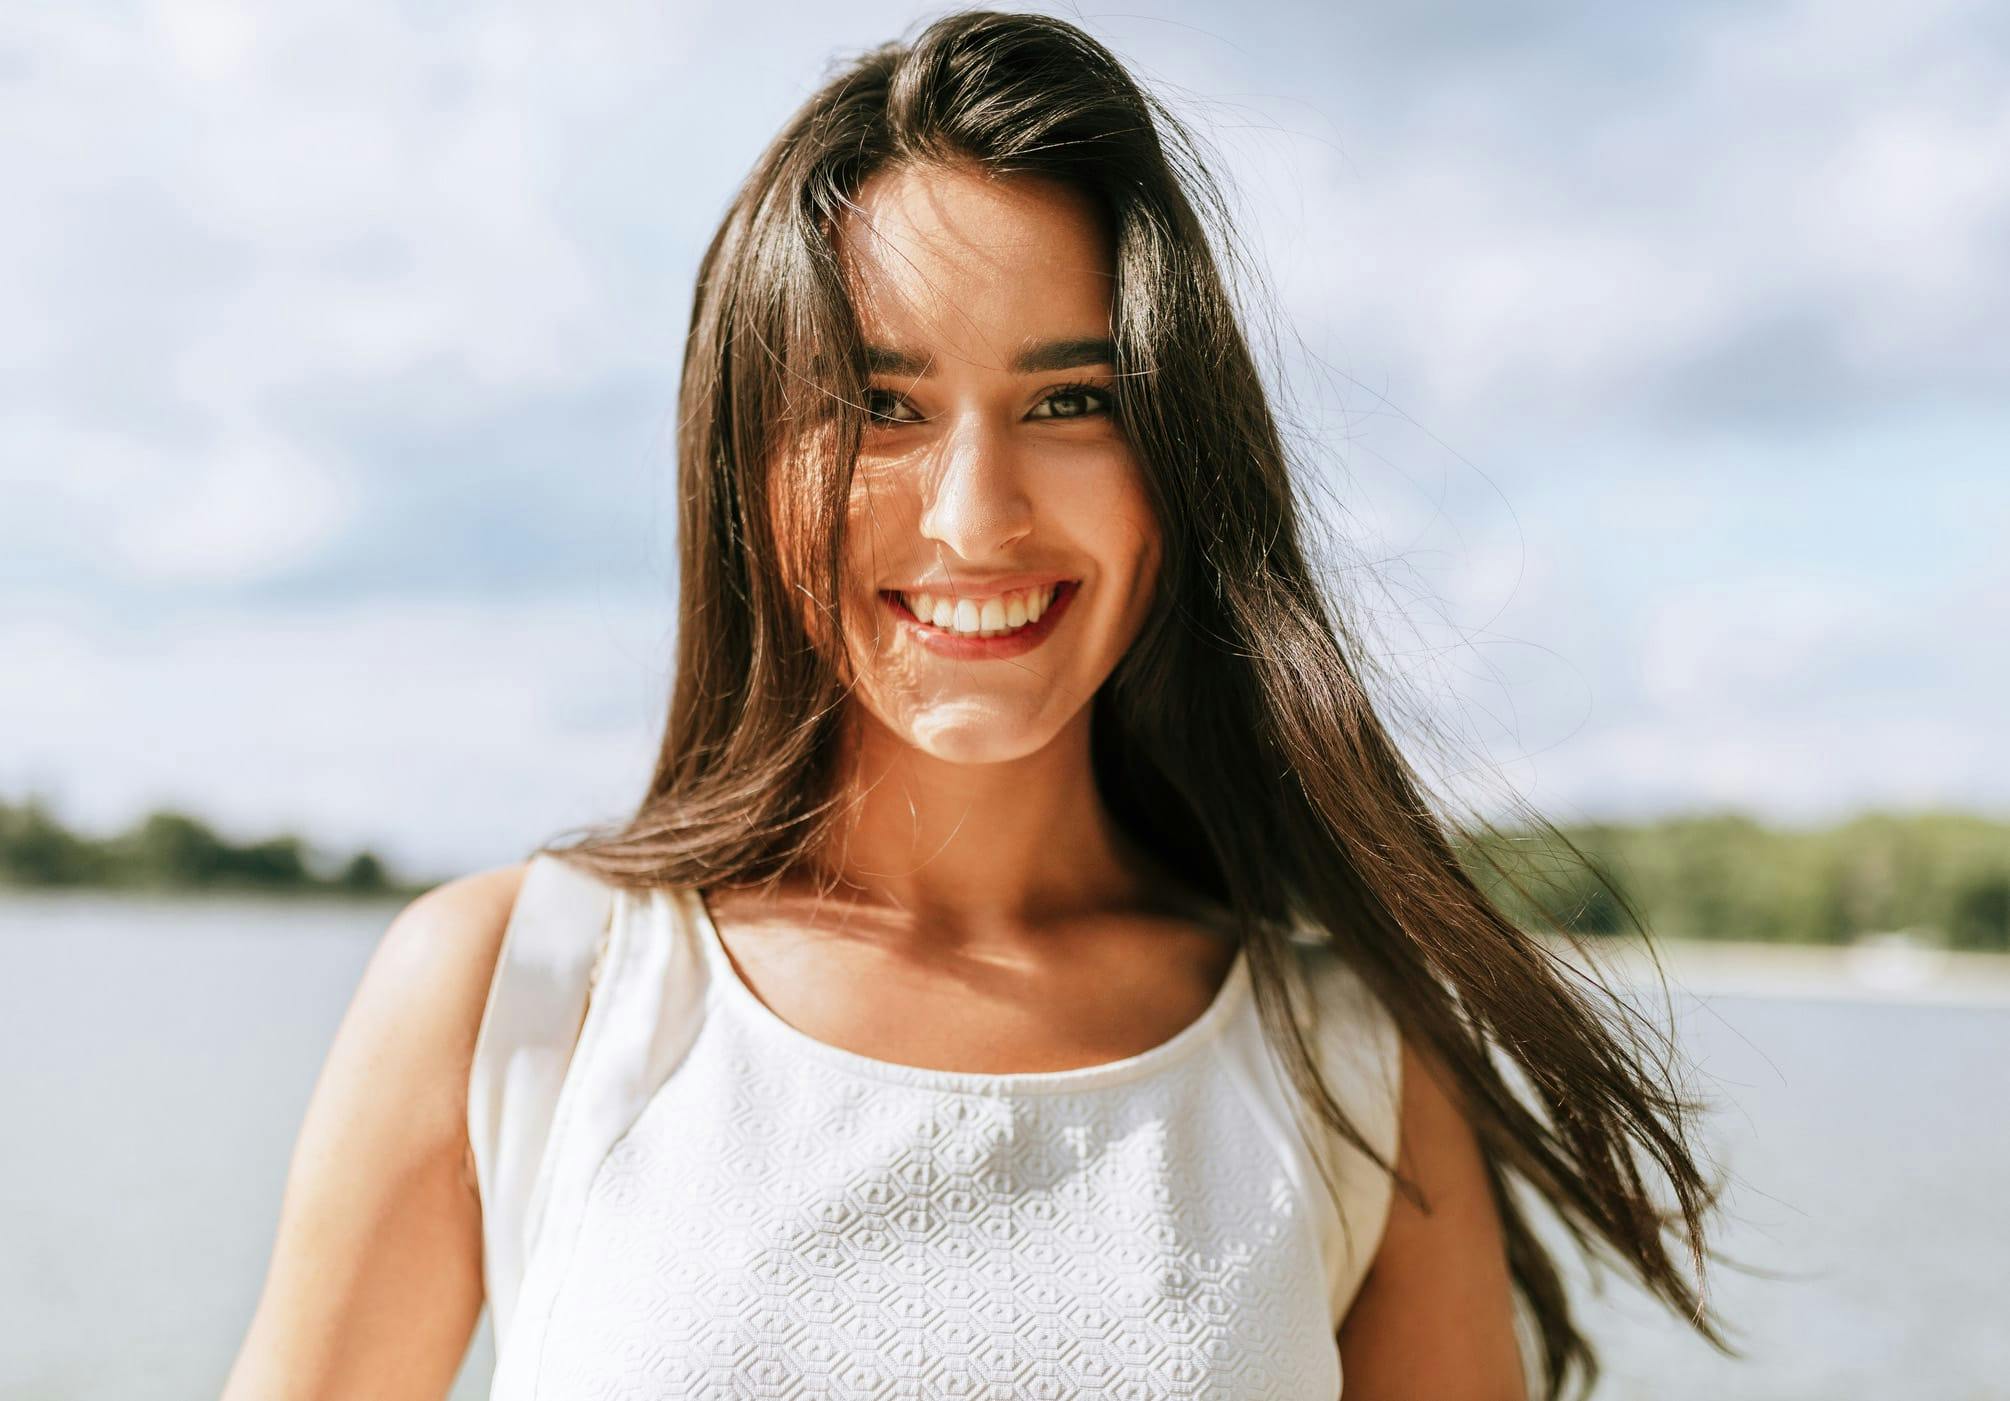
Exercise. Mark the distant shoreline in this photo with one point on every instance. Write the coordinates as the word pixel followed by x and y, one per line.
pixel 1889 968
pixel 323 894
pixel 1880 969
pixel 1941 877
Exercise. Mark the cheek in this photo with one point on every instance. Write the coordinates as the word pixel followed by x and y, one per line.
pixel 878 517
pixel 880 513
pixel 799 523
pixel 1134 529
pixel 1110 514
pixel 1091 505
pixel 1145 578
pixel 1135 511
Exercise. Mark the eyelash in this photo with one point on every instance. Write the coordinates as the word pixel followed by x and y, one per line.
pixel 1095 393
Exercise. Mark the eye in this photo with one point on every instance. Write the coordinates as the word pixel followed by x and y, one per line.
pixel 885 406
pixel 1073 401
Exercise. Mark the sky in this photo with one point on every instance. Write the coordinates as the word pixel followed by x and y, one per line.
pixel 1648 361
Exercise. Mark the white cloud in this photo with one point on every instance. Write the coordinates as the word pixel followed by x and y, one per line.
pixel 449 736
pixel 238 212
pixel 244 505
pixel 1495 252
pixel 1798 697
pixel 281 272
pixel 210 39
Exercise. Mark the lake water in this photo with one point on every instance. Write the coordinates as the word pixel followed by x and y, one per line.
pixel 156 1057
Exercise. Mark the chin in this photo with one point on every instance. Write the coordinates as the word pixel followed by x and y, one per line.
pixel 980 742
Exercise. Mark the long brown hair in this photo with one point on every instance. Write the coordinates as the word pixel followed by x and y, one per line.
pixel 1235 740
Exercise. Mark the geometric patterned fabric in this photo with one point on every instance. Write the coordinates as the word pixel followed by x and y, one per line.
pixel 726 1207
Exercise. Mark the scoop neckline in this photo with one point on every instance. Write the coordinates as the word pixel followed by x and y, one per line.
pixel 1174 1049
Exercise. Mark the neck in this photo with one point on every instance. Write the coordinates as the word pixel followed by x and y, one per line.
pixel 984 846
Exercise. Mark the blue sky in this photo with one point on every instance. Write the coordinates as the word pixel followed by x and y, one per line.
pixel 1649 361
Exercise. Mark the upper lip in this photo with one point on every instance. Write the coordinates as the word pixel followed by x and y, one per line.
pixel 989 587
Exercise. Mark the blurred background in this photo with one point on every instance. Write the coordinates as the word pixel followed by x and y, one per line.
pixel 1647 363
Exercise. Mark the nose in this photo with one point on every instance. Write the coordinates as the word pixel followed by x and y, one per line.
pixel 974 502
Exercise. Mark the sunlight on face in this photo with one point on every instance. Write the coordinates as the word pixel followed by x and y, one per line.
pixel 993 458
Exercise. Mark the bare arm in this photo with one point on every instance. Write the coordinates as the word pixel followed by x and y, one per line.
pixel 1435 1315
pixel 375 1283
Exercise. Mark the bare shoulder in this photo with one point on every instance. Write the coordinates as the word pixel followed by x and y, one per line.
pixel 445 943
pixel 408 1037
pixel 375 1280
pixel 466 914
pixel 427 984
pixel 1435 1315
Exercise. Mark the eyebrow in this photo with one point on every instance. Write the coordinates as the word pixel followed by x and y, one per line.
pixel 1041 356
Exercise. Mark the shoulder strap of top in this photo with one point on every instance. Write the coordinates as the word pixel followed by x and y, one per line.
pixel 598 1069
pixel 537 1003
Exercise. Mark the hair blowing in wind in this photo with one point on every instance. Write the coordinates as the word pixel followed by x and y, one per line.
pixel 1236 739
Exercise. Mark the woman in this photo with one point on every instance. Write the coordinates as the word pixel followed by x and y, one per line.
pixel 1033 970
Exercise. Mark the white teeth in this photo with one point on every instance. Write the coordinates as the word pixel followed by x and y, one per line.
pixel 992 618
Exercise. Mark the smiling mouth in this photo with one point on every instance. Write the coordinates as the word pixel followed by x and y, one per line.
pixel 1002 615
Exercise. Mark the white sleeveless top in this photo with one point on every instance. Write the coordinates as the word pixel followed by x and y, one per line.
pixel 697 1200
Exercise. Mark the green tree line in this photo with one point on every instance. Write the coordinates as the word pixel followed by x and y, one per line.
pixel 1944 877
pixel 172 851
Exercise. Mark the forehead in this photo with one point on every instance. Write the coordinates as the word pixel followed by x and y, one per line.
pixel 965 265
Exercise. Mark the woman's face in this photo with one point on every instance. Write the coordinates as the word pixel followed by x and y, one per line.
pixel 1001 551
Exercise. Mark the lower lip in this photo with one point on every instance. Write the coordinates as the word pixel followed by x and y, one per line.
pixel 976 649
